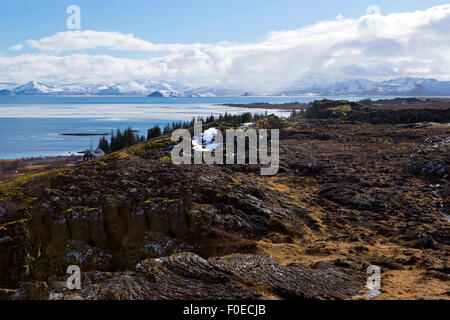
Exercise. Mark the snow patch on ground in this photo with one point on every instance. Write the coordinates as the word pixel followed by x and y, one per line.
pixel 247 125
pixel 205 142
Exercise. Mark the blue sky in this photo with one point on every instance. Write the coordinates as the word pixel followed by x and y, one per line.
pixel 184 21
pixel 251 28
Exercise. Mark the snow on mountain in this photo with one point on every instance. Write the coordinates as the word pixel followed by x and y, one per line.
pixel 203 95
pixel 213 92
pixel 166 93
pixel 36 88
pixel 6 88
pixel 6 92
pixel 406 86
pixel 123 88
pixel 133 87
pixel 433 87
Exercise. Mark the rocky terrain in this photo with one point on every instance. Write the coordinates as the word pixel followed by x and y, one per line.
pixel 10 169
pixel 357 186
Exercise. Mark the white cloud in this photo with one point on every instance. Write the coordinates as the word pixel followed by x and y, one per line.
pixel 373 47
pixel 89 39
pixel 17 47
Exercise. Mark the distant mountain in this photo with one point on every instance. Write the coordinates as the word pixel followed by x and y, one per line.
pixel 312 86
pixel 202 95
pixel 166 94
pixel 156 94
pixel 214 92
pixel 35 88
pixel 395 87
pixel 133 87
pixel 126 88
pixel 6 92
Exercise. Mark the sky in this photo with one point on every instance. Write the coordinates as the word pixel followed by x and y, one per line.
pixel 258 45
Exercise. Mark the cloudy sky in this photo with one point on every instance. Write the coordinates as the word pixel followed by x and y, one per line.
pixel 259 45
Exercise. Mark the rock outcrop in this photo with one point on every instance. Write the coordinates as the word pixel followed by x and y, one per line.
pixel 188 276
pixel 348 195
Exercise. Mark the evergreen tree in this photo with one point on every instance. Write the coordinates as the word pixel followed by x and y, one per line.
pixel 120 140
pixel 166 129
pixel 103 145
pixel 154 132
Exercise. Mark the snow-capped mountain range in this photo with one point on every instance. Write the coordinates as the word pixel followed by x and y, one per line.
pixel 395 87
pixel 134 87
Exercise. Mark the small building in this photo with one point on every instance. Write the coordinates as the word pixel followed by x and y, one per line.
pixel 93 154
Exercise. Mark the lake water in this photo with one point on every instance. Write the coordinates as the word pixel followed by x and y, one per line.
pixel 30 126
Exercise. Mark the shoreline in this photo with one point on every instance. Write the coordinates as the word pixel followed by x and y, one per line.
pixel 271 106
pixel 394 104
pixel 84 134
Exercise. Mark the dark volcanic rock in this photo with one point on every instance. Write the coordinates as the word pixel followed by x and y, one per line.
pixel 188 276
pixel 348 194
pixel 352 111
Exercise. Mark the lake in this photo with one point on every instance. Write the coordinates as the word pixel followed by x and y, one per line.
pixel 30 126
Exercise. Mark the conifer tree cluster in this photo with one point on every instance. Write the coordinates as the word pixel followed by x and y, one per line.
pixel 120 139
pixel 128 137
pixel 234 120
pixel 297 113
